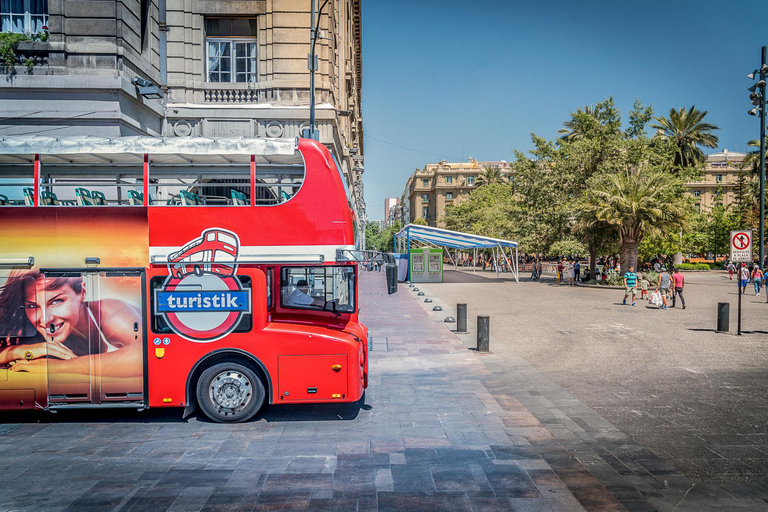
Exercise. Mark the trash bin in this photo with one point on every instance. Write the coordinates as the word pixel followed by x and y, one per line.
pixel 391 271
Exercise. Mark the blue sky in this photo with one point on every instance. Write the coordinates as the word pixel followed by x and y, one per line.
pixel 453 79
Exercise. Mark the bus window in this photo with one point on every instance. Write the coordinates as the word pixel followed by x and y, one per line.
pixel 269 288
pixel 17 185
pixel 323 288
pixel 160 326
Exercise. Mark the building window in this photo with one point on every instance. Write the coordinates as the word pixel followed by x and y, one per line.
pixel 698 206
pixel 719 178
pixel 425 212
pixel 449 195
pixel 231 49
pixel 449 179
pixel 23 16
pixel 424 183
pixel 425 198
pixel 470 180
pixel 696 193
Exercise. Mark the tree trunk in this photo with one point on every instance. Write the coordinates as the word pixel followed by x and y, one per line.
pixel 628 255
pixel 592 260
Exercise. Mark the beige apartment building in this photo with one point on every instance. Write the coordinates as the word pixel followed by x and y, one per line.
pixel 720 182
pixel 429 190
pixel 235 68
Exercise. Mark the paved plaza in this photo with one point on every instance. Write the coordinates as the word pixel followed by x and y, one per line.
pixel 442 427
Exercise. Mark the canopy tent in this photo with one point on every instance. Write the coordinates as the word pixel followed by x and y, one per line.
pixel 456 240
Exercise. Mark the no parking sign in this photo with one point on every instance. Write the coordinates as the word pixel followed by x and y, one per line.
pixel 741 246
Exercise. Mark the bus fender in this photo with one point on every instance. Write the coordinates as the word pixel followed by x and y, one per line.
pixel 218 355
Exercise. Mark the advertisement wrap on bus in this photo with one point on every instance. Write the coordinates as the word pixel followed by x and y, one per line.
pixel 156 300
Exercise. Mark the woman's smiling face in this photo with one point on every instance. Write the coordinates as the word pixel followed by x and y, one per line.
pixel 61 308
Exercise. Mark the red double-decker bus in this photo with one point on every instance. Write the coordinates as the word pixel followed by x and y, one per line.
pixel 217 275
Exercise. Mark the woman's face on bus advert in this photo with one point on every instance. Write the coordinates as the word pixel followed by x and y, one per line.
pixel 59 307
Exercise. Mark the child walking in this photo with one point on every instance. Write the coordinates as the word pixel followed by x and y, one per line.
pixel 643 286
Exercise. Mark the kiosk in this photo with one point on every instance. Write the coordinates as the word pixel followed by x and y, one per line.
pixel 426 265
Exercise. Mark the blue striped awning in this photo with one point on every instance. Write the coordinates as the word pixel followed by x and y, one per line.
pixel 453 239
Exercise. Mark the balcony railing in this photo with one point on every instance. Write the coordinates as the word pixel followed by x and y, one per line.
pixel 227 94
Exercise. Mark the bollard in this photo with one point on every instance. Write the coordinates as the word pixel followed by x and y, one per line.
pixel 461 314
pixel 483 333
pixel 437 308
pixel 723 316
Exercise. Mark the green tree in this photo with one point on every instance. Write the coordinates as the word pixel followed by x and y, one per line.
pixel 420 222
pixel 486 212
pixel 687 131
pixel 489 176
pixel 638 202
pixel 372 235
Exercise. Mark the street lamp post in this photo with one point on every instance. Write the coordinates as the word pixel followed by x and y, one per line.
pixel 312 65
pixel 758 99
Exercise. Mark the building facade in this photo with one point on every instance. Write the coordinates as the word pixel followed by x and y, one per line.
pixel 429 190
pixel 390 210
pixel 721 182
pixel 226 68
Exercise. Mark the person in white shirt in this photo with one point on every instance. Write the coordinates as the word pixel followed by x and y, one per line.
pixel 300 296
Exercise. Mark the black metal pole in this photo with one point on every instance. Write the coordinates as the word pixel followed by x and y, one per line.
pixel 761 239
pixel 738 317
pixel 312 39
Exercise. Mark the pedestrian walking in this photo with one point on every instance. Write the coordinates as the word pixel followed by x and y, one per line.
pixel 571 273
pixel 577 270
pixel 743 278
pixel 534 268
pixel 679 282
pixel 731 270
pixel 630 283
pixel 559 270
pixel 663 286
pixel 757 279
pixel 644 286
pixel 539 269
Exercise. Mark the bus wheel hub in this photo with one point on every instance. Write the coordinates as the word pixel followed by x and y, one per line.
pixel 230 390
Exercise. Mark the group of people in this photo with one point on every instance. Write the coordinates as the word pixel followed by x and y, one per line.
pixel 669 286
pixel 748 275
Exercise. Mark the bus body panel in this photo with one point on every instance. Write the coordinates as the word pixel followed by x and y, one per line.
pixel 307 356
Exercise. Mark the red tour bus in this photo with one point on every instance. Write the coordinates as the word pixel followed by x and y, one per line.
pixel 218 274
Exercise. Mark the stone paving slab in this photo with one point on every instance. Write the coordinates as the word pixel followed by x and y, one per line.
pixel 633 474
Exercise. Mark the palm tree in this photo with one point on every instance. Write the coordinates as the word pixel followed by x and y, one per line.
pixel 752 160
pixel 636 203
pixel 687 130
pixel 489 175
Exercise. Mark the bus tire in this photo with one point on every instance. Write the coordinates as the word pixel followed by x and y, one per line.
pixel 230 392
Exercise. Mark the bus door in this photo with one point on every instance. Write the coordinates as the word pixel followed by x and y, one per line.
pixel 94 328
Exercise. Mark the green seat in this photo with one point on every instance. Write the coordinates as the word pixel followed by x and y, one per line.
pixel 98 198
pixel 48 198
pixel 4 199
pixel 29 196
pixel 83 197
pixel 68 202
pixel 135 198
pixel 189 198
pixel 238 198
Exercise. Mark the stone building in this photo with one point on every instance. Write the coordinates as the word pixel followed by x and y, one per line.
pixel 226 68
pixel 429 190
pixel 720 182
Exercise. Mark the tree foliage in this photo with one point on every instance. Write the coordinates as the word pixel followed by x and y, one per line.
pixel 686 130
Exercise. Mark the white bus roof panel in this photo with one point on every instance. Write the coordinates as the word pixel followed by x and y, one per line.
pixel 130 150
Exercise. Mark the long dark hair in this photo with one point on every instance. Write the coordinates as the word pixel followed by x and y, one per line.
pixel 13 319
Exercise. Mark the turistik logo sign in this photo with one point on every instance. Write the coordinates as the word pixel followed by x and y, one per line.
pixel 202 299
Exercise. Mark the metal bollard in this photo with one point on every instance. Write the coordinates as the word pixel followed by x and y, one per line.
pixel 723 316
pixel 461 314
pixel 483 333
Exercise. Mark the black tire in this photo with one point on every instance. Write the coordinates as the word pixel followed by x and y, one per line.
pixel 230 392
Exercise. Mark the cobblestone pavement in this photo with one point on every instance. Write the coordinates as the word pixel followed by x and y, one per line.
pixel 674 388
pixel 441 428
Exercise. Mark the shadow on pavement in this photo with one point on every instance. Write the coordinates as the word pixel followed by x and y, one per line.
pixel 270 413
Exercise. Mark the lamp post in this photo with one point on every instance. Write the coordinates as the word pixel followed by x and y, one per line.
pixel 758 99
pixel 312 65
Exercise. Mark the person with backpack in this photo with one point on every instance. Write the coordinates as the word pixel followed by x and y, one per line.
pixel 663 286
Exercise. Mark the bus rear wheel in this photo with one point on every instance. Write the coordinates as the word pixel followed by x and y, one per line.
pixel 229 392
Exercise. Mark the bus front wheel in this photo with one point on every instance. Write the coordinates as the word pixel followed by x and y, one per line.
pixel 229 392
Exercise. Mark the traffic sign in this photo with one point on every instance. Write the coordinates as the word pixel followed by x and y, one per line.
pixel 741 246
